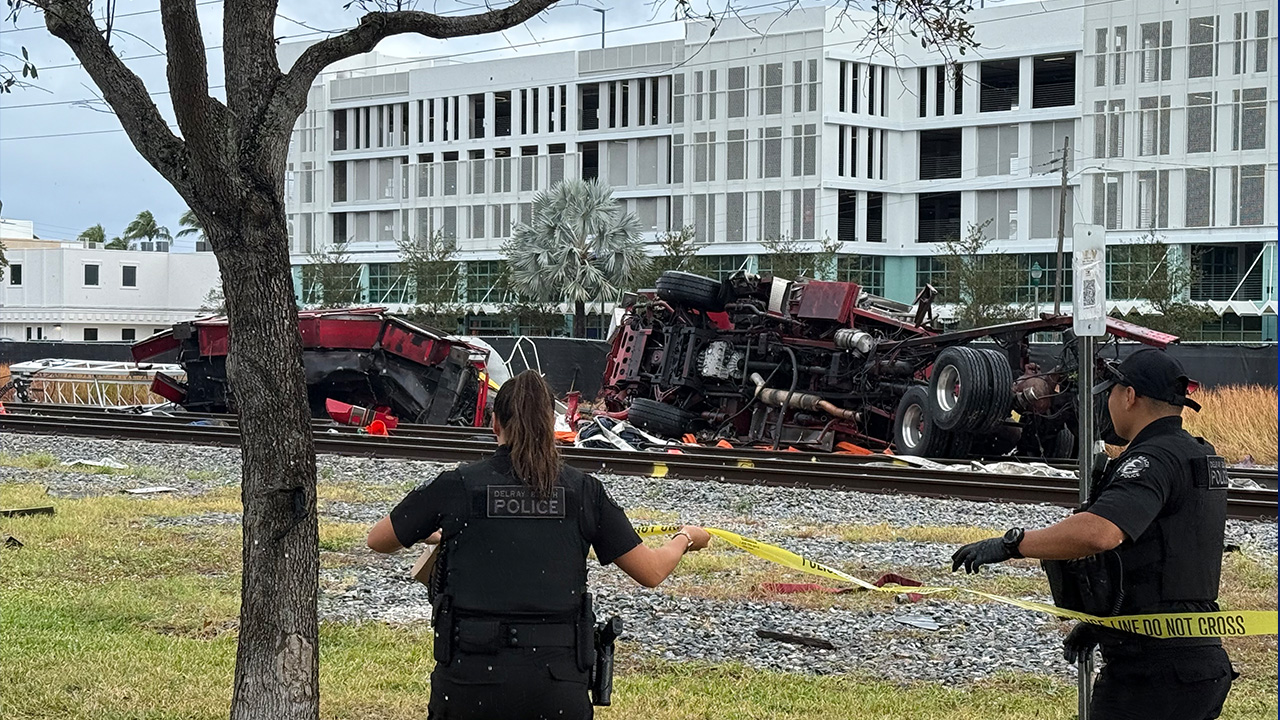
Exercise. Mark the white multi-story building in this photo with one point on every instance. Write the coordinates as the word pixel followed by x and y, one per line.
pixel 1168 114
pixel 64 291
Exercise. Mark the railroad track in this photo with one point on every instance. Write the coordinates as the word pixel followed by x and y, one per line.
pixel 460 444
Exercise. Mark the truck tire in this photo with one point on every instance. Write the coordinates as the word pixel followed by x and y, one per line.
pixel 958 445
pixel 1000 402
pixel 1064 444
pixel 958 389
pixel 660 418
pixel 691 291
pixel 914 432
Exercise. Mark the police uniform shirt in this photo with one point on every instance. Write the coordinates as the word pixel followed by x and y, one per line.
pixel 425 509
pixel 1141 484
pixel 1141 489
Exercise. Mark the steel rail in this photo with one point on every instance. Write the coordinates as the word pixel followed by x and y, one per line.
pixel 1267 478
pixel 787 469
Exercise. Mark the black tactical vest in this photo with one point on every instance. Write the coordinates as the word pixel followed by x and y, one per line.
pixel 511 554
pixel 1175 565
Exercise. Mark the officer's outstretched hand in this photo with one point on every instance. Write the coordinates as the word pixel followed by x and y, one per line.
pixel 976 554
pixel 701 538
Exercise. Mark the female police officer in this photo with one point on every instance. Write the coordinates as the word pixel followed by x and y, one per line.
pixel 512 615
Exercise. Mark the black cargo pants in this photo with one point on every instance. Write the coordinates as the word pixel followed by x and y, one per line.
pixel 513 684
pixel 1177 683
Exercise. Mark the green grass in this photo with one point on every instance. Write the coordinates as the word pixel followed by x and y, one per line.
pixel 105 615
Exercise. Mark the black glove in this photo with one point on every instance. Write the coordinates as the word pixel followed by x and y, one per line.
pixel 984 552
pixel 1082 639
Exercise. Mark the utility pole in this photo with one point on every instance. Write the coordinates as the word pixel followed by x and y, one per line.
pixel 1062 227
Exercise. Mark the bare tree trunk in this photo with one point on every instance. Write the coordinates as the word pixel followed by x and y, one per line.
pixel 277 670
pixel 579 319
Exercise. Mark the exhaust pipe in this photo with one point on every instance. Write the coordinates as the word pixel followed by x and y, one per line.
pixel 799 401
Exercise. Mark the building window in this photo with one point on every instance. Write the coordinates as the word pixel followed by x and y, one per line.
pixel 589 107
pixel 15 274
pixel 998 208
pixel 770 152
pixel 1227 272
pixel 804 150
pixel 1100 58
pixel 482 281
pixel 1199 197
pixel 1249 119
pixel 932 270
pixel 1108 128
pixel 388 283
pixel 721 267
pixel 940 153
pixel 1025 292
pixel 1053 80
pixel 90 334
pixel 128 334
pixel 938 217
pixel 1131 269
pixel 91 275
pixel 1202 127
pixel 1120 41
pixel 997 149
pixel 999 85
pixel 1045 211
pixel 875 217
pixel 1108 195
pixel 1248 194
pixel 865 270
pixel 1262 42
pixel 1157 51
pixel 847 216
pixel 1153 125
pixel 1232 328
pixel 737 92
pixel 1202 52
pixel 771 89
pixel 1153 199
pixel 770 215
pixel 129 276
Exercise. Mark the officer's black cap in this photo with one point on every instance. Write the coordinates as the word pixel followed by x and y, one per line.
pixel 1153 374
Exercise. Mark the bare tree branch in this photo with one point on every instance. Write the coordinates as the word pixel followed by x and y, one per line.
pixel 376 26
pixel 71 21
pixel 201 117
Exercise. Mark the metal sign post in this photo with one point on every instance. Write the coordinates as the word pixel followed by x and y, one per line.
pixel 1089 321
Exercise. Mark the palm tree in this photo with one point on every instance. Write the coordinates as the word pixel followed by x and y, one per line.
pixel 580 246
pixel 144 227
pixel 94 234
pixel 118 244
pixel 191 226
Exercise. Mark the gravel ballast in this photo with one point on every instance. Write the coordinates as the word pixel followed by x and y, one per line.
pixel 973 640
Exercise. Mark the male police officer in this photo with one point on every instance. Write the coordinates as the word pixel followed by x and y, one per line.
pixel 1153 537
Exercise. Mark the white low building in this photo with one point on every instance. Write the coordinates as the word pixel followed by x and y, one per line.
pixel 63 291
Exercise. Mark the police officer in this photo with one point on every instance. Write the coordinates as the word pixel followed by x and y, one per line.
pixel 1152 540
pixel 513 619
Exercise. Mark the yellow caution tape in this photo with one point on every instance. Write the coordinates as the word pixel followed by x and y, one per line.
pixel 659 470
pixel 746 464
pixel 1163 625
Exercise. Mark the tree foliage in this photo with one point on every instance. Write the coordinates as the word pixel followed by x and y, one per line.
pixel 94 234
pixel 145 227
pixel 330 279
pixel 434 270
pixel 981 286
pixel 580 246
pixel 794 259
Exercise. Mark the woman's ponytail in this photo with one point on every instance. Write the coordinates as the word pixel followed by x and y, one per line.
pixel 526 409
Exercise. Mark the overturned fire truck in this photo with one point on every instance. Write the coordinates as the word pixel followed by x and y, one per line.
pixel 825 365
pixel 361 364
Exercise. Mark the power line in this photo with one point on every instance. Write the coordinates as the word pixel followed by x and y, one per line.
pixel 10 31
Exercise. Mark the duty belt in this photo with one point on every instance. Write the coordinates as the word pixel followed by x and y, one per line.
pixel 479 636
